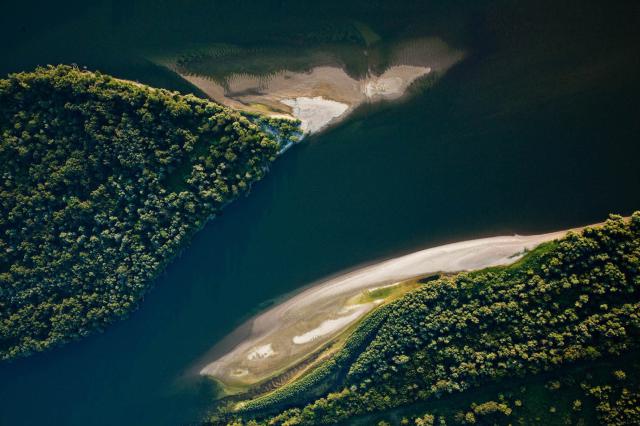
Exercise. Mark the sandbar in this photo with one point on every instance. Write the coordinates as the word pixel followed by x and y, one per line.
pixel 312 318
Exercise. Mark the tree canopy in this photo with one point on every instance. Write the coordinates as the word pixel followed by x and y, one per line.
pixel 102 181
pixel 569 303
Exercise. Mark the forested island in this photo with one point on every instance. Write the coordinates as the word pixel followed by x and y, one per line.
pixel 551 339
pixel 102 182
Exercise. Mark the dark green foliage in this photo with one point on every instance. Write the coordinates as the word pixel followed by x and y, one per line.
pixel 102 181
pixel 570 302
pixel 603 392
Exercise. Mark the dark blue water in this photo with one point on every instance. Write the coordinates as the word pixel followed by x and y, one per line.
pixel 518 138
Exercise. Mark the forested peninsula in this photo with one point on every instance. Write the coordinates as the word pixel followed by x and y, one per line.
pixel 102 182
pixel 552 339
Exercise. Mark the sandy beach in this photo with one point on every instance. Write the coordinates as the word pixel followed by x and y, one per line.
pixel 323 94
pixel 318 98
pixel 297 327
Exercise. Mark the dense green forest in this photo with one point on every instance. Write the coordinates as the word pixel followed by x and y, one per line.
pixel 552 339
pixel 102 182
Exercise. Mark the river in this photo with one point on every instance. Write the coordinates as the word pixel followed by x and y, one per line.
pixel 504 143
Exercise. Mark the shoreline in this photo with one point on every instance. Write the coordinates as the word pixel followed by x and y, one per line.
pixel 319 98
pixel 319 313
pixel 324 93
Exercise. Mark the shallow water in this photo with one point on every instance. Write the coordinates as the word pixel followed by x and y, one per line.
pixel 516 138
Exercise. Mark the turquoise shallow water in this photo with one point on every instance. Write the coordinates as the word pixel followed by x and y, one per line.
pixel 520 137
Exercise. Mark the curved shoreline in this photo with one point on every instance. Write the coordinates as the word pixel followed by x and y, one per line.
pixel 328 306
pixel 324 93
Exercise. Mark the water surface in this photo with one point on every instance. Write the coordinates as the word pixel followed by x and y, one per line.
pixel 518 137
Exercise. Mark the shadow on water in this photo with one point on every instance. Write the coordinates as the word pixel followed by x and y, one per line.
pixel 517 138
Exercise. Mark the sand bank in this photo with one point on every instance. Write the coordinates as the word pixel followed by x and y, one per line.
pixel 329 326
pixel 313 317
pixel 260 352
pixel 317 98
pixel 315 113
pixel 323 95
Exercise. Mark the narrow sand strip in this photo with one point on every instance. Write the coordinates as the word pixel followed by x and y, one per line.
pixel 328 327
pixel 300 325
